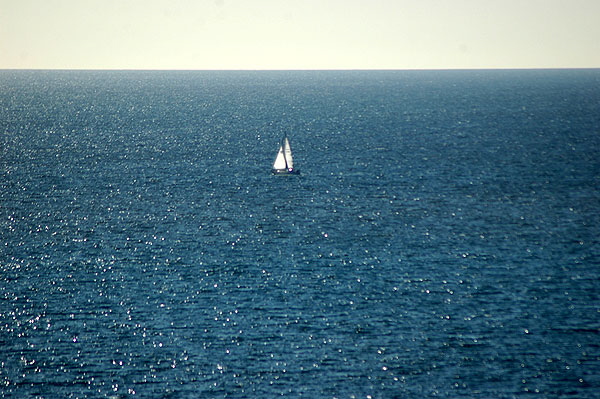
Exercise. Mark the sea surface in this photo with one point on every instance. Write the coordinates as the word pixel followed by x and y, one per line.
pixel 442 240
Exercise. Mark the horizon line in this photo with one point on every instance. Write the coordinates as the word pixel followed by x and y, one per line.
pixel 295 69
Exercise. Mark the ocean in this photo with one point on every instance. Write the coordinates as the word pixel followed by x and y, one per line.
pixel 442 239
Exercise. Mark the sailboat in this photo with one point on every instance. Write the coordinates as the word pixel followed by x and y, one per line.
pixel 284 163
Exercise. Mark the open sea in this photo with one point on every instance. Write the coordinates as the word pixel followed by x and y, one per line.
pixel 442 240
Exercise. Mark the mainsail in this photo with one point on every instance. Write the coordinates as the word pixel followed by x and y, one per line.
pixel 287 150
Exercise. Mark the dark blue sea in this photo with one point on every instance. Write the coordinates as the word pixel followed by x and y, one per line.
pixel 442 240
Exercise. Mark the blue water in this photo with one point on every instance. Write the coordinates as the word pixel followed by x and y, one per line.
pixel 441 241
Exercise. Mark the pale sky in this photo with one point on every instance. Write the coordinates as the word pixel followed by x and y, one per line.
pixel 299 34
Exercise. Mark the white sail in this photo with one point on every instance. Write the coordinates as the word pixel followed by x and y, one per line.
pixel 288 153
pixel 280 160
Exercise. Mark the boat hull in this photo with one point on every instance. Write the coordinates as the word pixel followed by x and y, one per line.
pixel 285 172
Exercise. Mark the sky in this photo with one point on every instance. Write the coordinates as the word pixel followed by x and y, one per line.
pixel 299 34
